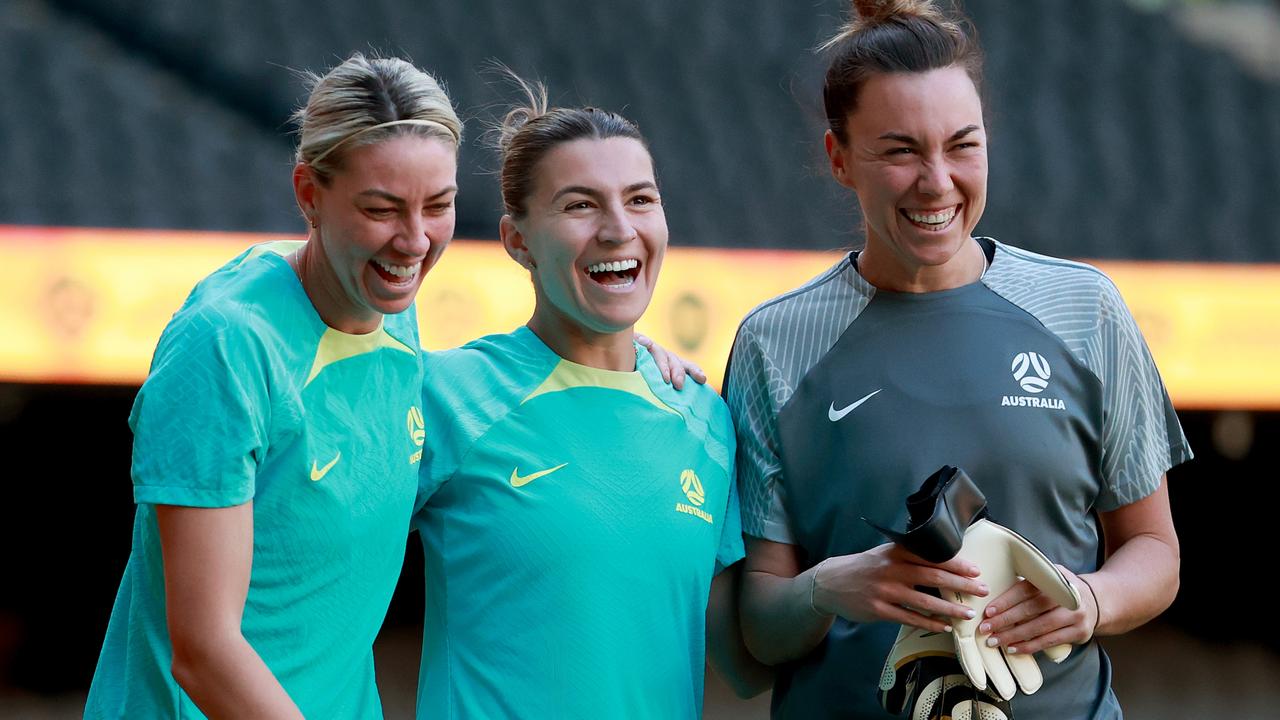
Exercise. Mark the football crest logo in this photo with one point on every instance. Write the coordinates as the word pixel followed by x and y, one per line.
pixel 1031 371
pixel 692 487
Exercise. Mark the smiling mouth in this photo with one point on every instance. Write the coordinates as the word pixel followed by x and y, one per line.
pixel 395 274
pixel 615 273
pixel 931 219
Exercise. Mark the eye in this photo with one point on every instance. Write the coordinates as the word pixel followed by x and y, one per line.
pixel 440 208
pixel 643 200
pixel 965 146
pixel 380 212
pixel 578 205
pixel 900 151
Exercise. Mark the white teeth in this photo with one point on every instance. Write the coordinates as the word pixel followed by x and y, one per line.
pixel 403 272
pixel 614 266
pixel 935 218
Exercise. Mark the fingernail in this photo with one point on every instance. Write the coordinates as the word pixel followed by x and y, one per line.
pixel 985 627
pixel 970 614
pixel 992 610
pixel 982 588
pixel 1013 651
pixel 947 628
pixel 992 642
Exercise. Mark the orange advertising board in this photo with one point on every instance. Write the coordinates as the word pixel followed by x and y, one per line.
pixel 87 306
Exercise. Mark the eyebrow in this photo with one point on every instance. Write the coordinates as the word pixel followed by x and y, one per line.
pixel 592 192
pixel 912 141
pixel 383 194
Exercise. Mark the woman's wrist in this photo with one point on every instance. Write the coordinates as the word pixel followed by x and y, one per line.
pixel 1097 608
pixel 815 592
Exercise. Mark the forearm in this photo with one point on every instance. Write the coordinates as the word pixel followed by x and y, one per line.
pixel 1136 583
pixel 1139 578
pixel 726 649
pixel 778 619
pixel 208 560
pixel 226 678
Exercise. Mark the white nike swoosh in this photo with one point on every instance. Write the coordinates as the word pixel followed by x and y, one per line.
pixel 834 415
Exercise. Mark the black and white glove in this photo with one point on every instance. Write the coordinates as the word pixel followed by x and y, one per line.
pixel 922 677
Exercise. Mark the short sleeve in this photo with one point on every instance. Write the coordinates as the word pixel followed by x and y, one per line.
pixel 731 549
pixel 1141 435
pixel 200 421
pixel 748 393
pixel 453 416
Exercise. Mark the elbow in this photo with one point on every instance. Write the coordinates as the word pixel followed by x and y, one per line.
pixel 752 684
pixel 767 653
pixel 193 655
pixel 1174 581
pixel 185 667
pixel 1171 588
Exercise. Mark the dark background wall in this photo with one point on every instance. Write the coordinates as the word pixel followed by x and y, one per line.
pixel 1112 135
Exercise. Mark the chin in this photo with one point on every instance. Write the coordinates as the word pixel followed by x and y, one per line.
pixel 611 323
pixel 391 307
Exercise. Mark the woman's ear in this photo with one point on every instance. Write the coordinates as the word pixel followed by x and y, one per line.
pixel 839 161
pixel 304 192
pixel 514 242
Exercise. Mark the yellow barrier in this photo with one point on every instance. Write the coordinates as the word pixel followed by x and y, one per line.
pixel 87 306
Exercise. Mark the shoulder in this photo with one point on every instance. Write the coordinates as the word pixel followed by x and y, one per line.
pixel 700 400
pixel 217 313
pixel 1059 292
pixel 704 412
pixel 835 284
pixel 497 354
pixel 494 370
pixel 1047 274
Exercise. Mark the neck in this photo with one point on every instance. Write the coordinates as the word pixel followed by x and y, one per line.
pixel 887 271
pixel 324 290
pixel 606 351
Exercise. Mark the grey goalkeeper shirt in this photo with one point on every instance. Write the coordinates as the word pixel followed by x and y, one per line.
pixel 1034 379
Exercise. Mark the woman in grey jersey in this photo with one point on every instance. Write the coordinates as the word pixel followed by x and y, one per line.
pixel 933 347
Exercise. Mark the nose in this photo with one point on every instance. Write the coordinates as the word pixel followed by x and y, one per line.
pixel 935 177
pixel 414 239
pixel 615 226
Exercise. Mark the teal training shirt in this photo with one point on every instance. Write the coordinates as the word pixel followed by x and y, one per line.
pixel 252 397
pixel 572 520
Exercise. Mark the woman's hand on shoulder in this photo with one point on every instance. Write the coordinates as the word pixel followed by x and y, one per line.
pixel 673 367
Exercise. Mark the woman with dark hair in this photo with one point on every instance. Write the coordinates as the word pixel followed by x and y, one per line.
pixel 575 511
pixel 933 347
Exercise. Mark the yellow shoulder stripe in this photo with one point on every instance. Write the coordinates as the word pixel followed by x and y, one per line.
pixel 279 247
pixel 568 375
pixel 335 346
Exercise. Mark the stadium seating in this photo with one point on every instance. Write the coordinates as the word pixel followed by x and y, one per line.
pixel 1111 134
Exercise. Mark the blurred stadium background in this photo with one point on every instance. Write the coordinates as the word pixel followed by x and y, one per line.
pixel 143 143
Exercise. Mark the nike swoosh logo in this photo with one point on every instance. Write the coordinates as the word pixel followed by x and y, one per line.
pixel 835 415
pixel 317 473
pixel 517 481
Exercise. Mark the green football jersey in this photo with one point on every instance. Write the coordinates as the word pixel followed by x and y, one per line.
pixel 252 397
pixel 572 520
